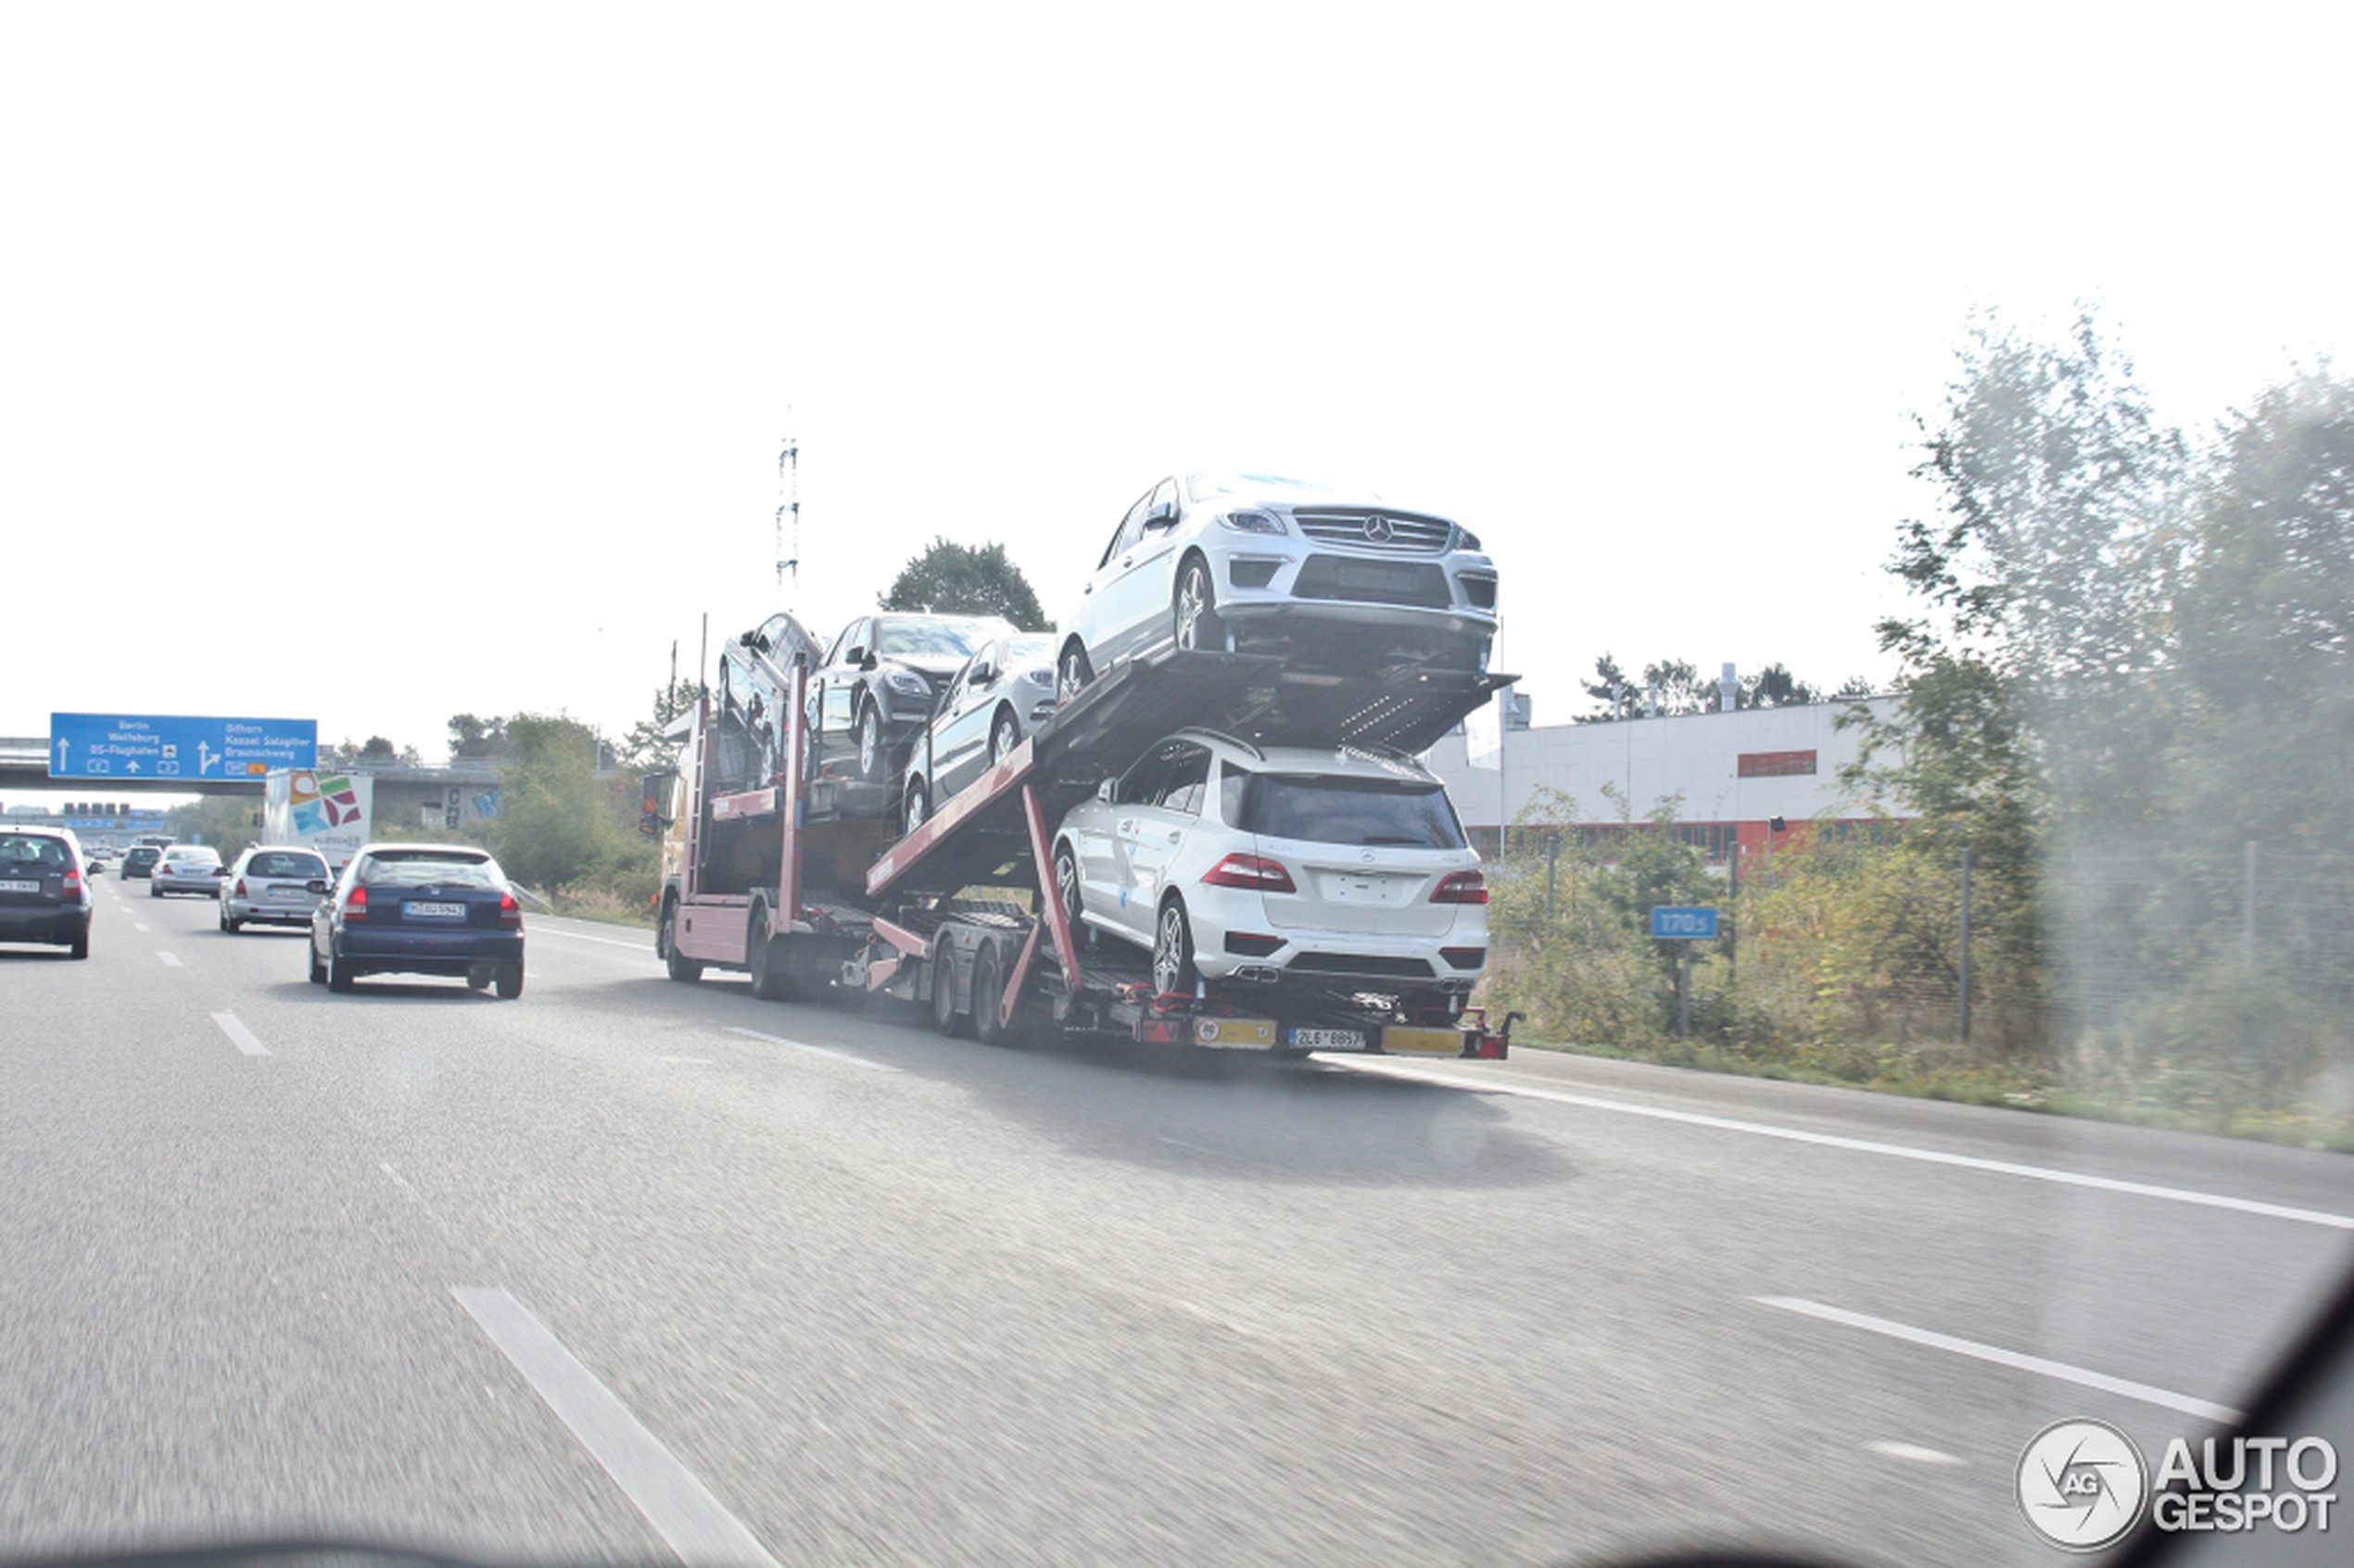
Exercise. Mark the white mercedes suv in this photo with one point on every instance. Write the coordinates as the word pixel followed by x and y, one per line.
pixel 1251 562
pixel 1333 869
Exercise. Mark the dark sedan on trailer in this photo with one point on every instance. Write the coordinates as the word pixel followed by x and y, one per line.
pixel 418 909
pixel 883 680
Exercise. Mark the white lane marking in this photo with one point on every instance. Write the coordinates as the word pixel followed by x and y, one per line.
pixel 2082 1376
pixel 171 960
pixel 1913 1453
pixel 818 1050
pixel 138 925
pixel 1894 1151
pixel 644 949
pixel 688 1061
pixel 679 1507
pixel 240 1035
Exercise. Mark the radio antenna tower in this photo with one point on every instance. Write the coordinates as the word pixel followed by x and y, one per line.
pixel 789 513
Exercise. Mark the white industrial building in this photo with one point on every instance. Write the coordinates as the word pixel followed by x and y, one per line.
pixel 1737 773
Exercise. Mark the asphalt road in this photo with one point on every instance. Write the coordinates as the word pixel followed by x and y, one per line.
pixel 625 1271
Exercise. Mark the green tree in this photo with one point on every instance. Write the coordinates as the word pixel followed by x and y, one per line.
pixel 952 579
pixel 553 825
pixel 227 823
pixel 473 737
pixel 2023 695
pixel 647 746
pixel 1676 686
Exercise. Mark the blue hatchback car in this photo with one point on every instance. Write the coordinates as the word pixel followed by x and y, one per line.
pixel 418 909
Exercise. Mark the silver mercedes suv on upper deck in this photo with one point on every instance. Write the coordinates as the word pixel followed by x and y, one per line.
pixel 1249 563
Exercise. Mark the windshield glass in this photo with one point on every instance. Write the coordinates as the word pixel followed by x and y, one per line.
pixel 1854 969
pixel 412 869
pixel 285 863
pixel 895 634
pixel 25 849
pixel 1265 486
pixel 1344 811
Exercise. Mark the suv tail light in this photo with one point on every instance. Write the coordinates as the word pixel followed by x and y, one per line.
pixel 509 912
pixel 1250 871
pixel 71 886
pixel 355 904
pixel 239 890
pixel 1463 886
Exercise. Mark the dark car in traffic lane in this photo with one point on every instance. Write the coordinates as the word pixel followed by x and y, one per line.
pixel 418 909
pixel 44 890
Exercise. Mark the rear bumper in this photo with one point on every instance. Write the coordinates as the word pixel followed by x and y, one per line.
pixel 270 913
pixel 428 953
pixel 61 927
pixel 210 886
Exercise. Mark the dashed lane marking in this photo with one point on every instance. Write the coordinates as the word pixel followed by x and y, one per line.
pixel 240 1035
pixel 674 1502
pixel 814 1050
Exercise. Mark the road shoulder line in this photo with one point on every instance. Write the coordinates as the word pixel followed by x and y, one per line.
pixel 2082 1376
pixel 1894 1151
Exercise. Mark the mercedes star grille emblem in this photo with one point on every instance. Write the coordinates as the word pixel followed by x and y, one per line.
pixel 1381 530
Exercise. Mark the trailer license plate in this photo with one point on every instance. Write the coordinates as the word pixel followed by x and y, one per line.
pixel 1423 1041
pixel 1327 1040
pixel 436 912
pixel 1247 1033
pixel 20 886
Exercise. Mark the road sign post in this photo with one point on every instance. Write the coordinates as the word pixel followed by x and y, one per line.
pixel 1688 925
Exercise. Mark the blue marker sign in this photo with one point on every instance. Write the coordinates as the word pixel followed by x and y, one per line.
pixel 165 746
pixel 1671 923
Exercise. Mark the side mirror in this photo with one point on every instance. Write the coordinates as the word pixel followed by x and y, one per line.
pixel 1162 515
pixel 316 884
pixel 982 672
pixel 1104 790
pixel 863 657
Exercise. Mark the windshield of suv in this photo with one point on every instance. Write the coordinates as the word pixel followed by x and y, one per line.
pixel 1265 486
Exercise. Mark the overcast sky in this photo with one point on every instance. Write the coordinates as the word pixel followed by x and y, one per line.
pixel 375 364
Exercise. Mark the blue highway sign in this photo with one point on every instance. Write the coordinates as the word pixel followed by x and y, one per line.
pixel 149 746
pixel 1690 925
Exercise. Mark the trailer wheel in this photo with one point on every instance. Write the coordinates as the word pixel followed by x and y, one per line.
pixel 764 958
pixel 1173 972
pixel 1194 608
pixel 681 967
pixel 989 996
pixel 944 1016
